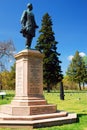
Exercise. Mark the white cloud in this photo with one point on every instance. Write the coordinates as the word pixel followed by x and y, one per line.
pixel 70 57
pixel 82 54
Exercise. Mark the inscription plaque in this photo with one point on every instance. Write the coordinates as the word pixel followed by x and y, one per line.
pixel 19 79
pixel 35 75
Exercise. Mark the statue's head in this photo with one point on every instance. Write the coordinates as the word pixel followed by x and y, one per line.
pixel 29 5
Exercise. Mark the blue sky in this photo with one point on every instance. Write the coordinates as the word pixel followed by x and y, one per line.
pixel 69 19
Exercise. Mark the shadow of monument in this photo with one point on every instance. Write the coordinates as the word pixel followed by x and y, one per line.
pixel 79 116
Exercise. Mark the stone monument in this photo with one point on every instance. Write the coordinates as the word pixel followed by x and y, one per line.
pixel 29 108
pixel 29 99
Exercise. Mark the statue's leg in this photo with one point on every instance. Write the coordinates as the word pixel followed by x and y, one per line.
pixel 28 41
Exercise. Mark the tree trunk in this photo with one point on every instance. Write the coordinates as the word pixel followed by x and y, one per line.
pixel 48 88
pixel 79 86
pixel 83 85
pixel 1 86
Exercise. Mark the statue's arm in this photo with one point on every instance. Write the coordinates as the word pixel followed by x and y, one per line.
pixel 34 22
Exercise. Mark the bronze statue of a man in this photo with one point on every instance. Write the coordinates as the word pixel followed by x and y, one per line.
pixel 28 25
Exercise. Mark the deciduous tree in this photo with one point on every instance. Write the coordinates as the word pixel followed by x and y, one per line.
pixel 6 53
pixel 7 50
pixel 77 69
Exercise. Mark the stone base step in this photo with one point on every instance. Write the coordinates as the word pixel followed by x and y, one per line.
pixel 28 110
pixel 33 117
pixel 28 103
pixel 41 122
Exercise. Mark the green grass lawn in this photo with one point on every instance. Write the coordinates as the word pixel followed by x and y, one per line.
pixel 7 99
pixel 74 102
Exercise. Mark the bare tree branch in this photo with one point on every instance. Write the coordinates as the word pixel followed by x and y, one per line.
pixel 7 50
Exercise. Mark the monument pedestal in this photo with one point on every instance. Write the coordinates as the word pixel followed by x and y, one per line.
pixel 29 99
pixel 29 106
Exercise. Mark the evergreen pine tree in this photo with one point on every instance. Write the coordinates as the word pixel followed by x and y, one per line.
pixel 46 44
